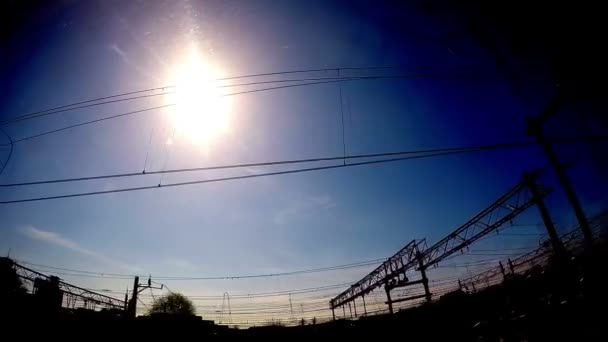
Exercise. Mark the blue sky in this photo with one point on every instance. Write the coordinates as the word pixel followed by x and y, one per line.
pixel 88 49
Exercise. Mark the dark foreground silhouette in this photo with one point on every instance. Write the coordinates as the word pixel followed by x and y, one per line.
pixel 565 300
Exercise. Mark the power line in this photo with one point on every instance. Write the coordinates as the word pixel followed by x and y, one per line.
pixel 276 173
pixel 228 277
pixel 276 293
pixel 144 304
pixel 334 79
pixel 265 294
pixel 223 179
pixel 10 152
pixel 174 104
pixel 275 163
pixel 160 107
pixel 162 88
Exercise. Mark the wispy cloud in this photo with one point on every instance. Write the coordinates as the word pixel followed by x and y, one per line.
pixel 60 241
pixel 181 264
pixel 120 52
pixel 323 201
pixel 128 61
pixel 306 206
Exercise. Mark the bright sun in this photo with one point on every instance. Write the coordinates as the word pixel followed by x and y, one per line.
pixel 201 113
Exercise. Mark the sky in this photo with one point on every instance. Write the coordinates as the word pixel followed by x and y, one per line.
pixel 73 51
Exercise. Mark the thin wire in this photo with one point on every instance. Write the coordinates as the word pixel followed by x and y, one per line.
pixel 161 107
pixel 223 179
pixel 173 104
pixel 276 163
pixel 146 305
pixel 92 122
pixel 313 270
pixel 342 118
pixel 272 293
pixel 522 234
pixel 356 78
pixel 148 150
pixel 10 153
pixel 168 150
pixel 14 119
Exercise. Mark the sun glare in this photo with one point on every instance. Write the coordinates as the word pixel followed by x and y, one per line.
pixel 201 113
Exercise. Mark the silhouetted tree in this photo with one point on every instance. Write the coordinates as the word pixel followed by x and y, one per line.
pixel 173 304
pixel 10 283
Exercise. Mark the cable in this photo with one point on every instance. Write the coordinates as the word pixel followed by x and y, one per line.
pixel 144 304
pixel 173 104
pixel 276 293
pixel 357 78
pixel 173 86
pixel 10 153
pixel 148 149
pixel 91 122
pixel 504 249
pixel 342 120
pixel 474 263
pixel 313 270
pixel 275 163
pixel 219 79
pixel 522 234
pixel 161 107
pixel 270 294
pixel 168 149
pixel 223 179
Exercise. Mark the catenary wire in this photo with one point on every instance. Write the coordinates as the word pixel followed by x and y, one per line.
pixel 162 88
pixel 275 163
pixel 88 105
pixel 223 179
pixel 111 117
pixel 312 270
pixel 10 152
pixel 230 178
pixel 174 104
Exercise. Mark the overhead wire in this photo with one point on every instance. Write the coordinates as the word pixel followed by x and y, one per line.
pixel 322 79
pixel 230 178
pixel 226 277
pixel 472 148
pixel 276 163
pixel 162 88
pixel 449 151
pixel 10 152
pixel 111 117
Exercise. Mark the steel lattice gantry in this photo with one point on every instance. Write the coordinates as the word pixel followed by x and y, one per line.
pixel 72 293
pixel 414 256
pixel 392 270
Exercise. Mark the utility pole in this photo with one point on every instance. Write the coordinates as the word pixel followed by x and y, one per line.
pixel 389 301
pixel 137 288
pixel 126 307
pixel 511 268
pixel 133 303
pixel 425 280
pixel 502 270
pixel 364 308
pixel 290 307
pixel 535 129
pixel 558 247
